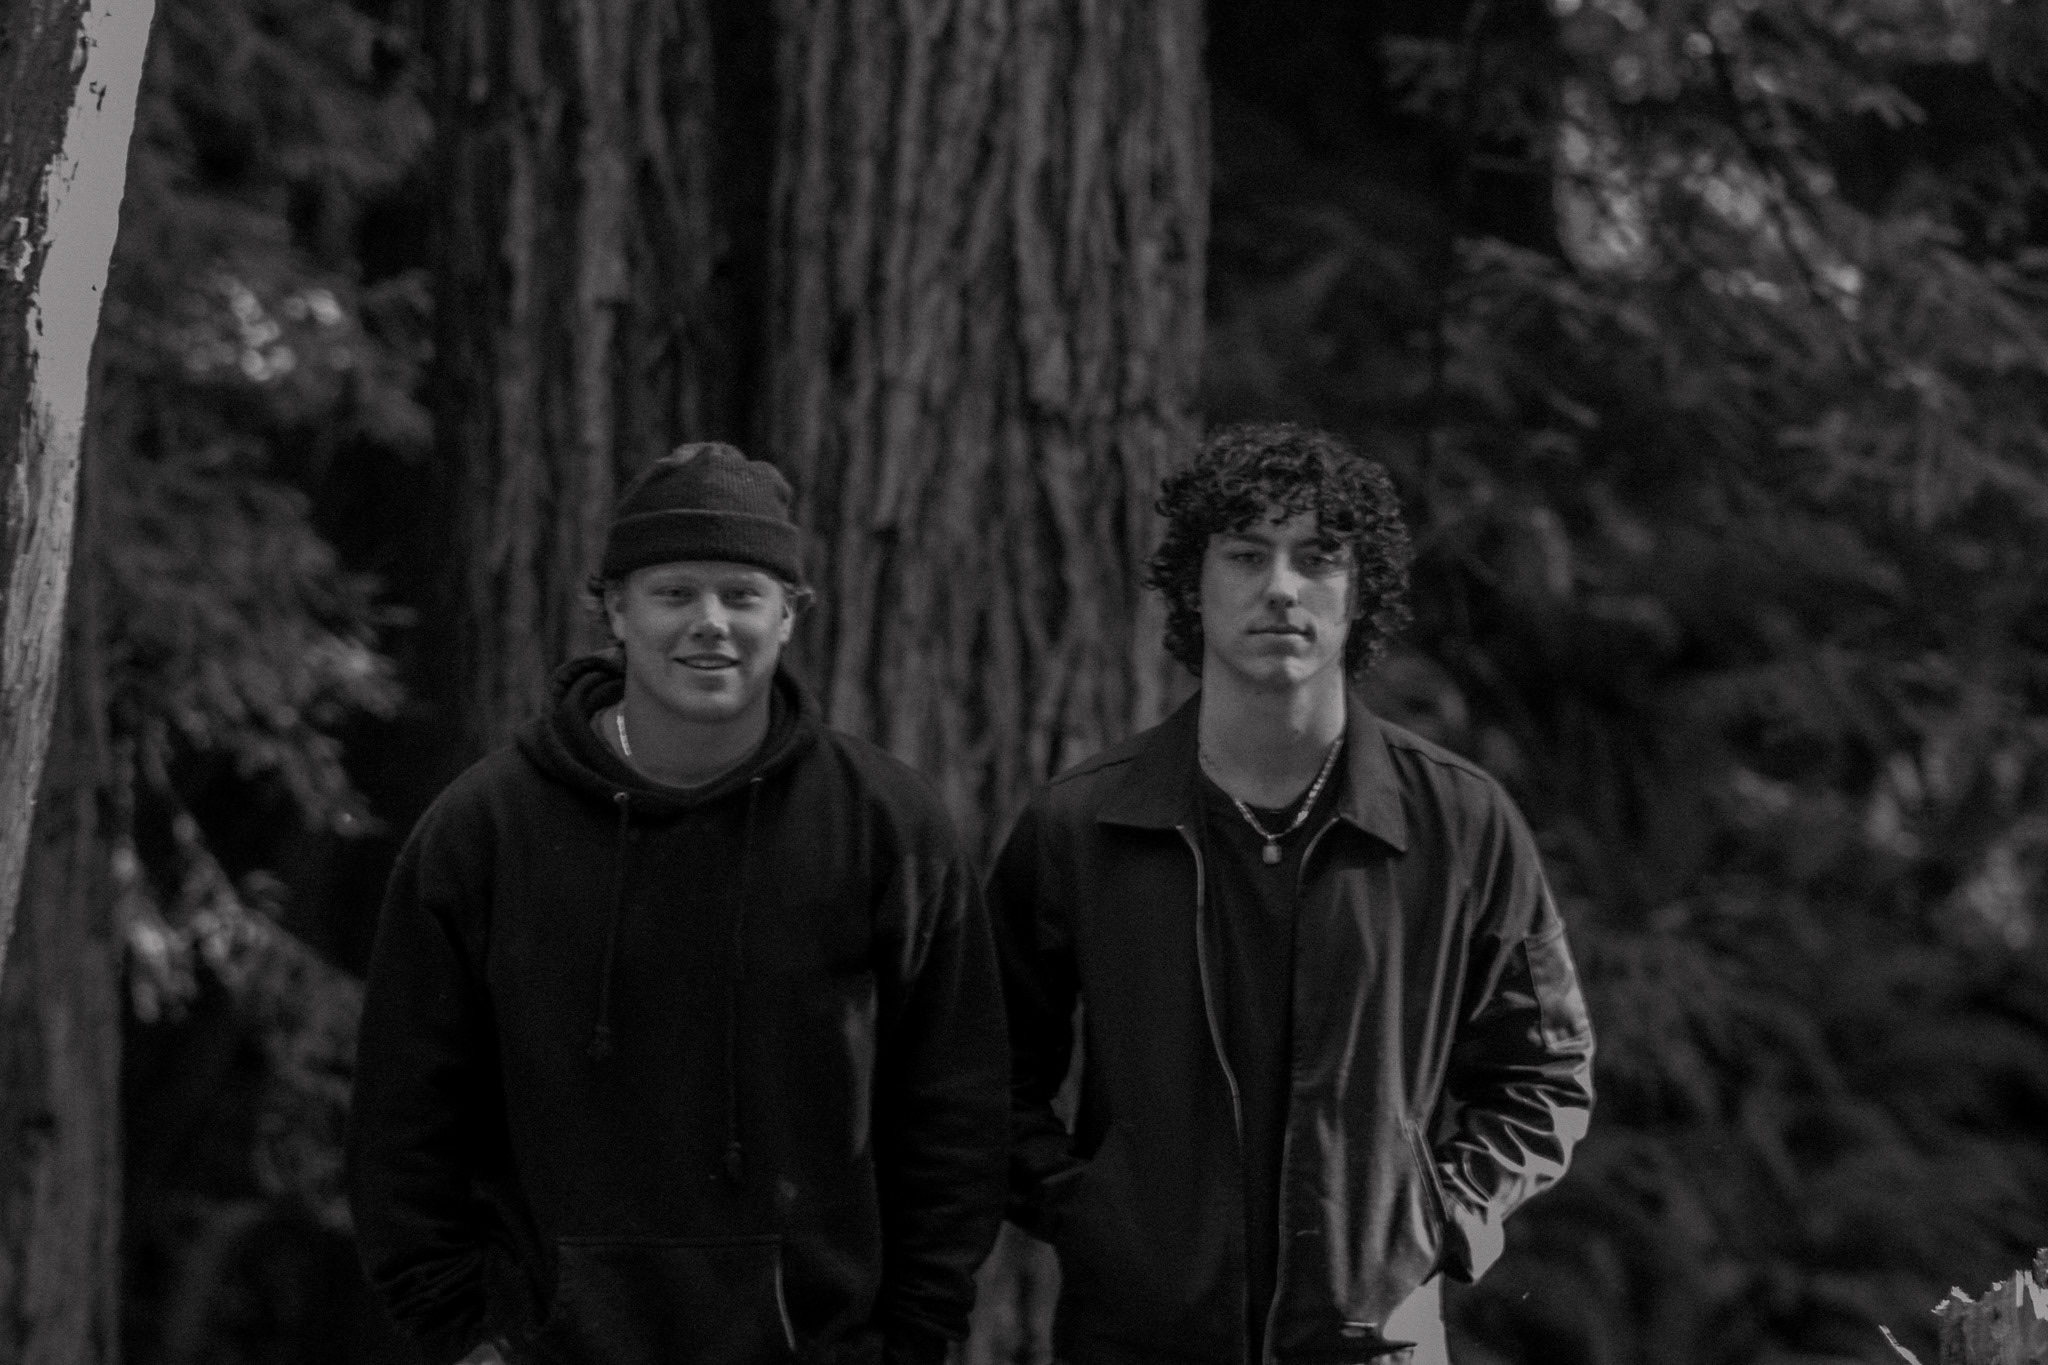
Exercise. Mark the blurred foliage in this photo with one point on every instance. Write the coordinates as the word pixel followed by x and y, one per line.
pixel 250 347
pixel 1709 340
pixel 241 353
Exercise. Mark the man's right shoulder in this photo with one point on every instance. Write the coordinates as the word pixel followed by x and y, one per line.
pixel 1081 789
pixel 479 792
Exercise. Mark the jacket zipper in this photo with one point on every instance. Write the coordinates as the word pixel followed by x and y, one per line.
pixel 782 1305
pixel 1208 995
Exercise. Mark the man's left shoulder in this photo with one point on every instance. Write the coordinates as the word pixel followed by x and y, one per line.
pixel 1421 760
pixel 875 775
pixel 1463 795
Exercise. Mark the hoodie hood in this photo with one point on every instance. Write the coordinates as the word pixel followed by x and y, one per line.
pixel 562 745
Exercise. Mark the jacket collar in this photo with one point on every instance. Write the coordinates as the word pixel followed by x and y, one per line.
pixel 1158 788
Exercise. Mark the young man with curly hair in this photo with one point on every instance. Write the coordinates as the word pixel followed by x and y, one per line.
pixel 1331 1034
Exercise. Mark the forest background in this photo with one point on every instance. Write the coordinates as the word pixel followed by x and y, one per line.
pixel 1707 341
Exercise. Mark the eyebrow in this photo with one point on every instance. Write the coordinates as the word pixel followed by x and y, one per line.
pixel 1319 541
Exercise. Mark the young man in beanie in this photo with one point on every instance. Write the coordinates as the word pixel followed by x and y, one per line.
pixel 682 1039
pixel 1331 1032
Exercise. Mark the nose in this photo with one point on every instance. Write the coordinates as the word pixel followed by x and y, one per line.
pixel 1283 584
pixel 711 622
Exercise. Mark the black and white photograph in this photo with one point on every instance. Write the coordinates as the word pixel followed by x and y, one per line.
pixel 1023 682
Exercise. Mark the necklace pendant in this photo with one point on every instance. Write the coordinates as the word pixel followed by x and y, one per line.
pixel 1271 853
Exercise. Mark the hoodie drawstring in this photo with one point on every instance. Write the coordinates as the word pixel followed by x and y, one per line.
pixel 733 1164
pixel 601 1035
pixel 735 974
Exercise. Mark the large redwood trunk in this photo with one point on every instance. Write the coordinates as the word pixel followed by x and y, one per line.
pixel 985 337
pixel 985 244
pixel 985 341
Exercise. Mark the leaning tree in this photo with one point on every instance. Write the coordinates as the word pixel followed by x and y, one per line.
pixel 69 71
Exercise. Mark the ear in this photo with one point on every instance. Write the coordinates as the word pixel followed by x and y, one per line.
pixel 614 608
pixel 786 627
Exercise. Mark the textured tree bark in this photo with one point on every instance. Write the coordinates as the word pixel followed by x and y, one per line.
pixel 982 339
pixel 60 1013
pixel 60 1053
pixel 989 222
pixel 988 233
pixel 579 303
pixel 68 78
pixel 69 74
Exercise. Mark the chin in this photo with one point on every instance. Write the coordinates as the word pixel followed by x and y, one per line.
pixel 1265 674
pixel 700 712
pixel 1283 674
pixel 705 706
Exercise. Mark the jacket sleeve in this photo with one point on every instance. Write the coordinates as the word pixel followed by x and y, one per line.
pixel 1521 1070
pixel 1041 985
pixel 938 1133
pixel 416 1117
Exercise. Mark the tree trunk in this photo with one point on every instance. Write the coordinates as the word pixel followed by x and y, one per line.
pixel 60 1034
pixel 69 73
pixel 584 325
pixel 985 339
pixel 70 77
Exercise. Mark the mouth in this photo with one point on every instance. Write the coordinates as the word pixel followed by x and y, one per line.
pixel 1301 631
pixel 708 663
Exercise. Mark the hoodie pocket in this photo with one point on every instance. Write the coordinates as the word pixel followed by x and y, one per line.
pixel 1075 1191
pixel 668 1301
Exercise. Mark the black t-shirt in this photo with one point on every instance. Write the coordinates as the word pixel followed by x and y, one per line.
pixel 1252 912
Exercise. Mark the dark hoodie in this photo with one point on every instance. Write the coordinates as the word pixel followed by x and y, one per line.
pixel 648 1074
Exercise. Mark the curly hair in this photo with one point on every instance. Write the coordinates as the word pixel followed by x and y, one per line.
pixel 1251 472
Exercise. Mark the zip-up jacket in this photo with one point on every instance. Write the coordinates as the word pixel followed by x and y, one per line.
pixel 1440 1066
pixel 708 1076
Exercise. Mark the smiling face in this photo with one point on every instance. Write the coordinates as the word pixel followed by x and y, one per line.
pixel 1276 602
pixel 701 637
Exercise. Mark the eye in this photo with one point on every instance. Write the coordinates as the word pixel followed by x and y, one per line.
pixel 742 597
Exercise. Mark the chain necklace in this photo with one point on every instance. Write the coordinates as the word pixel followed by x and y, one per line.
pixel 1270 854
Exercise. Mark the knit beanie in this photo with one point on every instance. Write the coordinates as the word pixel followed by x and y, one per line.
pixel 704 500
